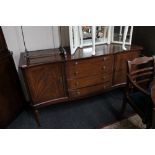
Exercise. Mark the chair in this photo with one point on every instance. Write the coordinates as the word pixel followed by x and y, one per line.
pixel 140 75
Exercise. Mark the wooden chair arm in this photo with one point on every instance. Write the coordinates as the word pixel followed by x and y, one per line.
pixel 137 86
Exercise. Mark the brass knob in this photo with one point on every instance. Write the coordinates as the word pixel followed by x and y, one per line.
pixel 75 73
pixel 76 63
pixel 78 92
pixel 77 83
pixel 103 67
pixel 104 58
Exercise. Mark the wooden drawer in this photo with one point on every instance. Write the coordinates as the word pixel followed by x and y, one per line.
pixel 89 90
pixel 88 67
pixel 89 81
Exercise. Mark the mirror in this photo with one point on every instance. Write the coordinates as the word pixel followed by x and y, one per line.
pixel 122 34
pixel 101 34
pixel 87 35
pixel 82 36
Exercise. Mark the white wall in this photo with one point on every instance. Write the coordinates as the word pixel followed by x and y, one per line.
pixel 36 38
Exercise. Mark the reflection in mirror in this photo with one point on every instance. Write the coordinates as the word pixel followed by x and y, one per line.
pixel 87 35
pixel 119 34
pixel 101 34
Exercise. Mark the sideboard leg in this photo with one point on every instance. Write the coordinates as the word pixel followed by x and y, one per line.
pixel 36 114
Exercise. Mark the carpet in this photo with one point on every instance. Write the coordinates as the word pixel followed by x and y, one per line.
pixel 133 122
pixel 88 113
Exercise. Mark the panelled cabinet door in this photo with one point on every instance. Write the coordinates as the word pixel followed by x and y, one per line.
pixel 45 82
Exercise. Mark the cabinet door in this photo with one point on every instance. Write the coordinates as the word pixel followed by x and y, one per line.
pixel 121 65
pixel 11 96
pixel 45 82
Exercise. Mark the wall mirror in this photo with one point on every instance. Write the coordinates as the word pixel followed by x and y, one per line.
pixel 101 35
pixel 82 36
pixel 86 37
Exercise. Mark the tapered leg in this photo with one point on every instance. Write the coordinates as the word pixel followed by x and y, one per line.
pixel 123 105
pixel 36 114
pixel 153 119
pixel 148 126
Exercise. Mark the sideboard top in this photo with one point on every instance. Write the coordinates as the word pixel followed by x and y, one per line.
pixel 100 51
pixel 53 55
pixel 40 57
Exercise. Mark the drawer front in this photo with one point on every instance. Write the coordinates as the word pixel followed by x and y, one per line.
pixel 94 66
pixel 89 81
pixel 89 90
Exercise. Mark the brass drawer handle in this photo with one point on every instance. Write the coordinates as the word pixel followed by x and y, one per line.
pixel 103 67
pixel 75 73
pixel 76 63
pixel 77 83
pixel 78 92
pixel 105 58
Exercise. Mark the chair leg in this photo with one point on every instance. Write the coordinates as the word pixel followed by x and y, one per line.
pixel 36 115
pixel 148 125
pixel 153 119
pixel 124 104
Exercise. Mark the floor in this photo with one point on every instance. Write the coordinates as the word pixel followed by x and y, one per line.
pixel 132 122
pixel 90 113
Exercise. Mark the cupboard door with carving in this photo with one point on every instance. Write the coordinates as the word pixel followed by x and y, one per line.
pixel 45 82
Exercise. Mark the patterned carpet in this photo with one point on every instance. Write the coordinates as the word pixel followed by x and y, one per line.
pixel 133 122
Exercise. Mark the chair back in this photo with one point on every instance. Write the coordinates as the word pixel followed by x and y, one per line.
pixel 141 70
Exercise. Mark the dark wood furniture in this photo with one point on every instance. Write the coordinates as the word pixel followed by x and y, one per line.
pixel 11 96
pixel 51 77
pixel 141 74
pixel 153 100
pixel 3 45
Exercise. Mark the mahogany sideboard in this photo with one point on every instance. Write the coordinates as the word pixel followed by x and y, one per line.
pixel 52 77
